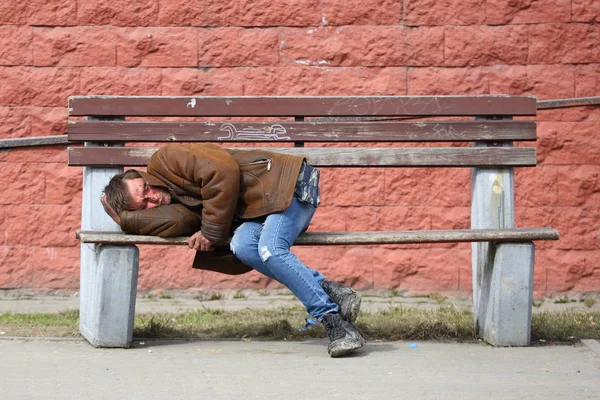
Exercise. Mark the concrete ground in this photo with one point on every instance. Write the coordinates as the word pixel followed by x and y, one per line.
pixel 72 369
pixel 69 369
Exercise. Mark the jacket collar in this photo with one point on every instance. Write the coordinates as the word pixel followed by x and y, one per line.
pixel 152 180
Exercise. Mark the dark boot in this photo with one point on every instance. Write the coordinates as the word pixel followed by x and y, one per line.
pixel 345 297
pixel 344 337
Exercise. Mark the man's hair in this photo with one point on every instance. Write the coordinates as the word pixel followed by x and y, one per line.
pixel 117 192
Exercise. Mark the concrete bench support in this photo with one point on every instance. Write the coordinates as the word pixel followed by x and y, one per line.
pixel 492 207
pixel 108 295
pixel 508 314
pixel 108 276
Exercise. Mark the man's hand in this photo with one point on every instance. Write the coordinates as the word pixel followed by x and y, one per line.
pixel 111 213
pixel 199 242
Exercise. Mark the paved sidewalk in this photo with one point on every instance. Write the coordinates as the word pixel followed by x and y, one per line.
pixel 251 299
pixel 38 369
pixel 371 302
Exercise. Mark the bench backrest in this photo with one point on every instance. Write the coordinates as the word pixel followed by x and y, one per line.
pixel 378 124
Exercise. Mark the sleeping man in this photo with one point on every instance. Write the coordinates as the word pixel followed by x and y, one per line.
pixel 259 201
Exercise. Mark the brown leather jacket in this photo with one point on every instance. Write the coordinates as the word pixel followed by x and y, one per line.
pixel 208 186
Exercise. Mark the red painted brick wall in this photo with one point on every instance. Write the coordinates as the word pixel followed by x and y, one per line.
pixel 53 49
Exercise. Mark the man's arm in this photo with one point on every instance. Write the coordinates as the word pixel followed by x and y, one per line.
pixel 168 220
pixel 208 172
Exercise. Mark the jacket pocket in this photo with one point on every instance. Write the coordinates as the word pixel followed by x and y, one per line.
pixel 261 162
pixel 252 191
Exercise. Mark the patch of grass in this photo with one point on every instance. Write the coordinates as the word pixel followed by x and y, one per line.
pixel 62 318
pixel 396 323
pixel 62 324
pixel 447 322
pixel 154 326
pixel 405 323
pixel 166 295
pixel 565 326
pixel 239 295
pixel 206 323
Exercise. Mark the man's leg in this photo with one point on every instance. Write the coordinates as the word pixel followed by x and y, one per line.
pixel 266 248
pixel 244 245
pixel 279 232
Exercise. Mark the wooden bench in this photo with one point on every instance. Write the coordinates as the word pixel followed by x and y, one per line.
pixel 502 255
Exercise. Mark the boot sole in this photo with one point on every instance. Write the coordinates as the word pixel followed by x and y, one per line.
pixel 343 348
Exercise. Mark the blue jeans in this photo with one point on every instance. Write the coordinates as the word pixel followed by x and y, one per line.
pixel 264 244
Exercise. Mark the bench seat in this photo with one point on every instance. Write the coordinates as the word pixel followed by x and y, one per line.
pixel 354 238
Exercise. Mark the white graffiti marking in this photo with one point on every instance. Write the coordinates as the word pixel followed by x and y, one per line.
pixel 394 106
pixel 272 132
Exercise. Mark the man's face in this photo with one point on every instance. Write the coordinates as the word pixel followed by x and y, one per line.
pixel 144 196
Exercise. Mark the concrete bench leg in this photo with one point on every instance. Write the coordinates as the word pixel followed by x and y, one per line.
pixel 108 276
pixel 108 292
pixel 505 296
pixel 502 273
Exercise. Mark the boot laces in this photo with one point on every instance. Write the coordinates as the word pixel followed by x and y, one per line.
pixel 334 327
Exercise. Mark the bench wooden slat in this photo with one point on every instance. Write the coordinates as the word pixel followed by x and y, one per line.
pixel 354 238
pixel 338 156
pixel 306 106
pixel 426 131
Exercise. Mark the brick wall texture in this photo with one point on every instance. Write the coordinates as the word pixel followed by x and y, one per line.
pixel 53 49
